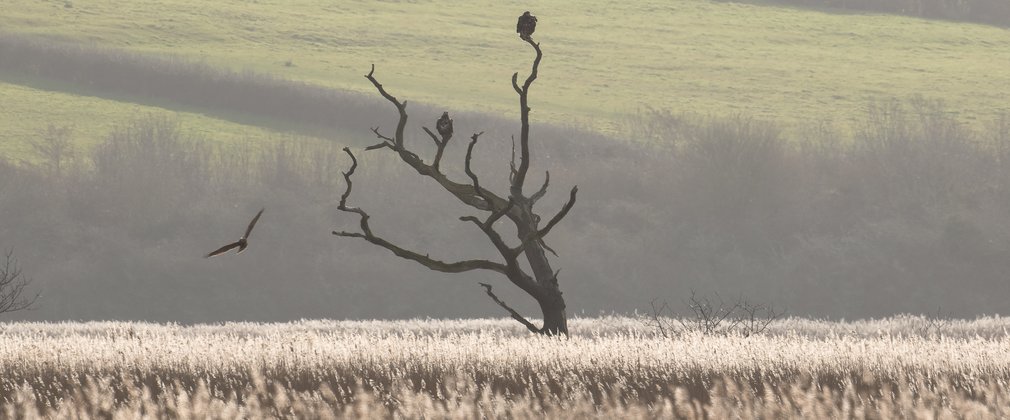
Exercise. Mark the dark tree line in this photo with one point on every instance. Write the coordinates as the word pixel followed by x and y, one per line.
pixel 991 12
pixel 907 215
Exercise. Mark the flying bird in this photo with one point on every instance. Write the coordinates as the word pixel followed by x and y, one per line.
pixel 527 24
pixel 444 126
pixel 241 243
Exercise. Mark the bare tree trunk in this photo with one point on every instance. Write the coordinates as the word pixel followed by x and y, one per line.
pixel 552 305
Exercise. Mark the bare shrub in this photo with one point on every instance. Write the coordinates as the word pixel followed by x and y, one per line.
pixel 934 325
pixel 12 286
pixel 55 147
pixel 713 315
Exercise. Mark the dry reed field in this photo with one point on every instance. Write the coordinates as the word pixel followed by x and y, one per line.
pixel 905 367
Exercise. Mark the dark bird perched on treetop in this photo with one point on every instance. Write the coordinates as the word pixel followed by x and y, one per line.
pixel 241 243
pixel 527 24
pixel 444 126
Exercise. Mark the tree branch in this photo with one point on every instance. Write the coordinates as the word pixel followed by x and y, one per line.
pixel 512 163
pixel 430 263
pixel 400 106
pixel 465 193
pixel 515 315
pixel 434 138
pixel 540 234
pixel 473 176
pixel 378 146
pixel 386 139
pixel 498 214
pixel 425 260
pixel 524 109
pixel 495 238
pixel 347 193
pixel 543 190
pixel 561 214
pixel 536 65
pixel 440 147
pixel 487 226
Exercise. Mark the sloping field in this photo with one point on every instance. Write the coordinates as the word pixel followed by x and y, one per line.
pixel 27 111
pixel 604 60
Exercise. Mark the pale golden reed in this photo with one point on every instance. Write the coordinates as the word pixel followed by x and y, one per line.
pixel 904 367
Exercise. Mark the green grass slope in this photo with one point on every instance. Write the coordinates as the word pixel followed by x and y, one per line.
pixel 604 60
pixel 26 111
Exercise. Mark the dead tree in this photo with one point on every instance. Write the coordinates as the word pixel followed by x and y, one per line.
pixel 516 206
pixel 12 286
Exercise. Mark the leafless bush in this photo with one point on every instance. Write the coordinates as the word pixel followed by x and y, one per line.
pixel 754 318
pixel 713 316
pixel 933 325
pixel 55 147
pixel 12 286
pixel 658 318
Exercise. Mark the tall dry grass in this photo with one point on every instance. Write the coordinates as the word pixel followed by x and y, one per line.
pixel 489 368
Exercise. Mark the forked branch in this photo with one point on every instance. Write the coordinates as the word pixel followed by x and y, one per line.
pixel 465 193
pixel 561 214
pixel 473 176
pixel 425 260
pixel 487 226
pixel 543 189
pixel 541 233
pixel 400 106
pixel 439 147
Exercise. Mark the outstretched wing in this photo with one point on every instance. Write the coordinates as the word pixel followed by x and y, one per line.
pixel 223 249
pixel 249 229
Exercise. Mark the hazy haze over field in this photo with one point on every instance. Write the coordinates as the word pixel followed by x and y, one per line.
pixel 835 165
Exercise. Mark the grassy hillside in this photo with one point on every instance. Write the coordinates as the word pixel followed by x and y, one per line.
pixel 604 60
pixel 26 111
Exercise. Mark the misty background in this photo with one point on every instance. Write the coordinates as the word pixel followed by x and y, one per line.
pixel 905 212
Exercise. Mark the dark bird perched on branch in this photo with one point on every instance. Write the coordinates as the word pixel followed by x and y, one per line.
pixel 527 24
pixel 444 126
pixel 241 243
